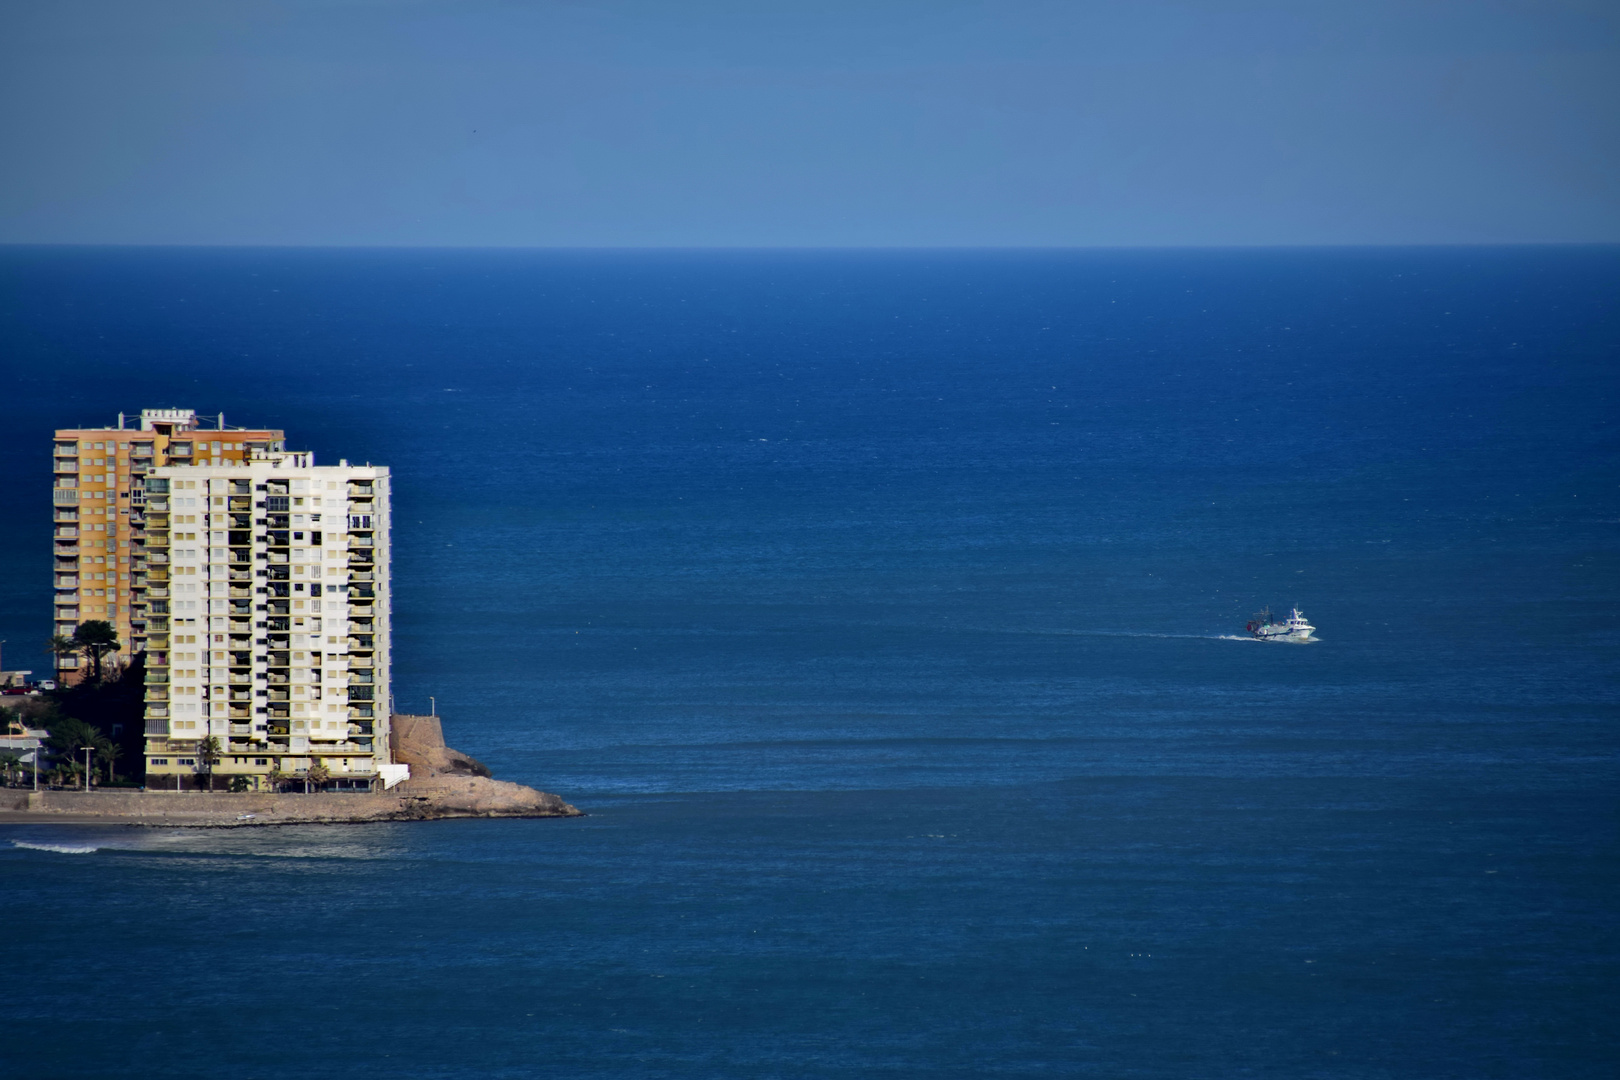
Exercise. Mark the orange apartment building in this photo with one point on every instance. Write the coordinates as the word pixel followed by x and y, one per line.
pixel 98 504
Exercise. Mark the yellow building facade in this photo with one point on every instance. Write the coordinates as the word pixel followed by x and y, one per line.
pixel 98 509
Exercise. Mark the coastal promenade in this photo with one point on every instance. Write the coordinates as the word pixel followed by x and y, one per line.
pixel 444 783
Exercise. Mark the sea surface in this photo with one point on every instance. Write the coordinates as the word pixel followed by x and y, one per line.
pixel 884 612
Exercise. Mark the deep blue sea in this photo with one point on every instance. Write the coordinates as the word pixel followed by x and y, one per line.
pixel 879 609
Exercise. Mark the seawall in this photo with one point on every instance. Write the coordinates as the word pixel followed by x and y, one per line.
pixel 444 783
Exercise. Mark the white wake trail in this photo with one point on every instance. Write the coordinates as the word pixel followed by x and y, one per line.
pixel 60 849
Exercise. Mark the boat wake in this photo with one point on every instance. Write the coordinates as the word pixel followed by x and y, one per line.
pixel 1120 633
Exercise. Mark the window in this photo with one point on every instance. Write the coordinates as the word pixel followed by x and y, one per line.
pixel 160 761
pixel 185 761
pixel 261 761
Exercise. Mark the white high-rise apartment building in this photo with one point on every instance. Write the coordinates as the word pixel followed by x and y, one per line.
pixel 267 604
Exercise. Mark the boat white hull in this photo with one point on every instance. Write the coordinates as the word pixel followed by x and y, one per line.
pixel 1286 635
pixel 1294 628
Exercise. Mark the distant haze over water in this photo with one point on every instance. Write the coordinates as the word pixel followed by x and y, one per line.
pixel 879 609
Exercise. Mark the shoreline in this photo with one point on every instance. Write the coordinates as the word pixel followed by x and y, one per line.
pixel 443 784
pixel 432 799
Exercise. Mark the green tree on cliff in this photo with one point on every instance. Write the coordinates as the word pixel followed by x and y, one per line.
pixel 96 638
pixel 60 647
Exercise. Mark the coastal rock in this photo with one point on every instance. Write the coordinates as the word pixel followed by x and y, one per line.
pixel 444 783
pixel 418 741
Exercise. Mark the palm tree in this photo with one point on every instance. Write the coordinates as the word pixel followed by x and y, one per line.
pixel 208 756
pixel 96 637
pixel 110 753
pixel 68 736
pixel 318 774
pixel 60 647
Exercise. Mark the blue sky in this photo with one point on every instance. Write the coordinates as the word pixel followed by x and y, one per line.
pixel 899 123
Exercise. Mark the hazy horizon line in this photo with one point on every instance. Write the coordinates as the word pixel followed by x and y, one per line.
pixel 897 248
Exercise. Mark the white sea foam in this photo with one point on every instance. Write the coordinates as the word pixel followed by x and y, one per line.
pixel 60 849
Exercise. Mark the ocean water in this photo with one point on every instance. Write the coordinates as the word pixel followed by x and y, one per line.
pixel 882 611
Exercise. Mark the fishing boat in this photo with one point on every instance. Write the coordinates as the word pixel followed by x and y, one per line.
pixel 1294 628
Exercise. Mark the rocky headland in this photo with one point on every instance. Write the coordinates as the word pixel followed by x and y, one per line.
pixel 444 783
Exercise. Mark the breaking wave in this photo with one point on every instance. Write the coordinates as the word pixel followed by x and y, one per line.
pixel 60 849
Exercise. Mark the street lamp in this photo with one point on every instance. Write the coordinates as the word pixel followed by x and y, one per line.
pixel 88 750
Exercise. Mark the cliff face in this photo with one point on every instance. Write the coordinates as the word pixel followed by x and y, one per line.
pixel 418 741
pixel 446 782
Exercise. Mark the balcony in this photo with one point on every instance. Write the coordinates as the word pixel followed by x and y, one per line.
pixel 341 747
pixel 67 532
